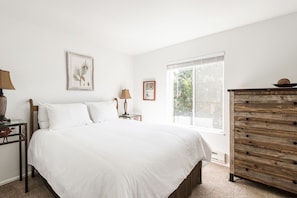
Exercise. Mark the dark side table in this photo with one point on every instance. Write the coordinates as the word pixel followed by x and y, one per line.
pixel 9 136
pixel 131 116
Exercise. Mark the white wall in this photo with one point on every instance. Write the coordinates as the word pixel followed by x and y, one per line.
pixel 256 56
pixel 35 57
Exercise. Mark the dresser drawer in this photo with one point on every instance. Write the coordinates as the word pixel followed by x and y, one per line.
pixel 284 162
pixel 266 169
pixel 285 104
pixel 268 179
pixel 265 98
pixel 266 140
pixel 292 135
pixel 266 121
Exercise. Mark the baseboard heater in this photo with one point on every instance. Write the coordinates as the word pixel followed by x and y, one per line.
pixel 218 157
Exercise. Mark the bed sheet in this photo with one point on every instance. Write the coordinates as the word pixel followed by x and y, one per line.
pixel 116 159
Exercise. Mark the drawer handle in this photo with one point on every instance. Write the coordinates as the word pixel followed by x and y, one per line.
pixel 246 169
pixel 247 102
pixel 295 103
pixel 294 123
pixel 294 182
pixel 249 136
pixel 247 153
pixel 295 142
pixel 246 119
pixel 295 162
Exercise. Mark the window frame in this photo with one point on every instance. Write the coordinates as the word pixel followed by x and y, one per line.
pixel 190 63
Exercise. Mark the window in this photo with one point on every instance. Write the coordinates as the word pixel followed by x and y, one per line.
pixel 196 92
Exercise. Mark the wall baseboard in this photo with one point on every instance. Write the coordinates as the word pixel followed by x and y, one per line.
pixel 16 178
pixel 9 180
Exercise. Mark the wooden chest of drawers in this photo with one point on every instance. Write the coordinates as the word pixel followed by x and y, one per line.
pixel 263 136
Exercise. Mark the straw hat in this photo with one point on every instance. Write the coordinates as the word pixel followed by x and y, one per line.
pixel 283 81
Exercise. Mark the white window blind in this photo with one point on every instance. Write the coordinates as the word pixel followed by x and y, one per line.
pixel 197 61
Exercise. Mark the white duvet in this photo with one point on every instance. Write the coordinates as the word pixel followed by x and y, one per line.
pixel 116 159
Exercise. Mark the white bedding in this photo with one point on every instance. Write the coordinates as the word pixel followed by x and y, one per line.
pixel 116 159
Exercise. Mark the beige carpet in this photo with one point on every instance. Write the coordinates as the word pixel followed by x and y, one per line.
pixel 215 184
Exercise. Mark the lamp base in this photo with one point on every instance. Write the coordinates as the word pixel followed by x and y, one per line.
pixel 125 107
pixel 3 104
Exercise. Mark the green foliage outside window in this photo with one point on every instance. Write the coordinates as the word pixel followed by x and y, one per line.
pixel 198 95
pixel 183 91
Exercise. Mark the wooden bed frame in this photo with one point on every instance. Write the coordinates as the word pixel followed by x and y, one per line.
pixel 184 190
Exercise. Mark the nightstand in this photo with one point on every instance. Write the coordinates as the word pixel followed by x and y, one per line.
pixel 8 136
pixel 132 117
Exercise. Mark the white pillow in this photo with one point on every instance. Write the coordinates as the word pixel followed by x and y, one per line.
pixel 42 116
pixel 63 116
pixel 103 111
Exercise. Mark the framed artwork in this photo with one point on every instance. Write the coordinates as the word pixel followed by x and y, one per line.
pixel 149 90
pixel 80 72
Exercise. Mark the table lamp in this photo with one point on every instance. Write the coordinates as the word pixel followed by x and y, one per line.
pixel 5 83
pixel 125 95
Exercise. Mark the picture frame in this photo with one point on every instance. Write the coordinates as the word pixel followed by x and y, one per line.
pixel 80 72
pixel 149 90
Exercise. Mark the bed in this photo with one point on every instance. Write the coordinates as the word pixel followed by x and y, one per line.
pixel 87 153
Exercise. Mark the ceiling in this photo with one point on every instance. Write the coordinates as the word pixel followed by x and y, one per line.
pixel 138 26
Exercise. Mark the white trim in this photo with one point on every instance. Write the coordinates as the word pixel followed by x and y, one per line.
pixel 193 96
pixel 202 129
pixel 209 130
pixel 16 178
pixel 9 180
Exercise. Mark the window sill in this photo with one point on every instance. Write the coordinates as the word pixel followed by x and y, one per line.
pixel 205 130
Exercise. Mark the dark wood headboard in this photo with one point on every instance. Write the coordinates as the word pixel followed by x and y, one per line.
pixel 33 109
pixel 34 112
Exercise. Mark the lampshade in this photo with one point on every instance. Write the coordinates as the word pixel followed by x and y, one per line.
pixel 5 82
pixel 125 94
